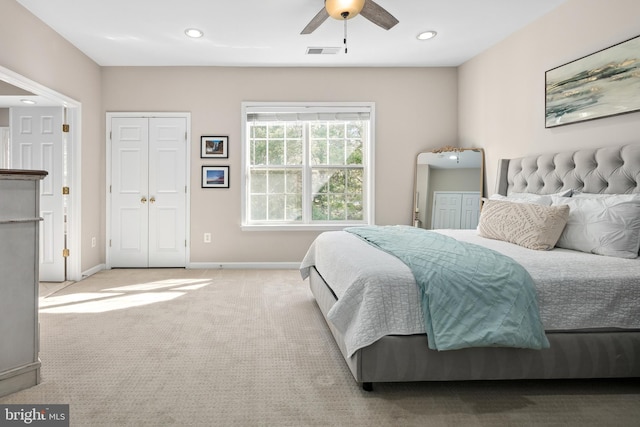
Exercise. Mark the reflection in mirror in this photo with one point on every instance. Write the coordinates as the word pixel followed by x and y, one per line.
pixel 448 188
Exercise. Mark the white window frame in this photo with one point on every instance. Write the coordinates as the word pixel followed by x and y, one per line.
pixel 369 151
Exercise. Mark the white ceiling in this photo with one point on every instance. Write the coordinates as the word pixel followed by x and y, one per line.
pixel 469 158
pixel 267 32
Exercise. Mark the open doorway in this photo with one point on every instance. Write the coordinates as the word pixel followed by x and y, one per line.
pixel 70 173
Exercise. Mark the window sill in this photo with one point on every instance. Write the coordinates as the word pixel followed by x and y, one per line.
pixel 299 227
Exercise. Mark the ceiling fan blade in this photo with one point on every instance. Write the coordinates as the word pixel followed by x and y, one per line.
pixel 316 21
pixel 378 15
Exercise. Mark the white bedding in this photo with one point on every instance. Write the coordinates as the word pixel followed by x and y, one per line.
pixel 377 294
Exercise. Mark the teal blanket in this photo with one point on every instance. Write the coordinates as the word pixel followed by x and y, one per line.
pixel 471 296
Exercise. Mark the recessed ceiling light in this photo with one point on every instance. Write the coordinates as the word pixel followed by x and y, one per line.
pixel 426 35
pixel 28 101
pixel 194 33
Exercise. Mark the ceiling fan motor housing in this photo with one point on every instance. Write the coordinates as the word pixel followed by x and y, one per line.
pixel 343 9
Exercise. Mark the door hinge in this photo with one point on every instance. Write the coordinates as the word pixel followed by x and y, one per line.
pixel 185 243
pixel 109 242
pixel 185 136
pixel 65 252
pixel 110 135
pixel 65 190
pixel 65 128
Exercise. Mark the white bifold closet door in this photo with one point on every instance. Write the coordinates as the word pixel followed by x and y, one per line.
pixel 455 209
pixel 148 192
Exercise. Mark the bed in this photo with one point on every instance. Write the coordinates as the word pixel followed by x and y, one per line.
pixel 589 304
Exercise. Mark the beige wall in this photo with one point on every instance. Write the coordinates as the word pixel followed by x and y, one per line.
pixel 494 101
pixel 4 117
pixel 416 108
pixel 502 90
pixel 35 51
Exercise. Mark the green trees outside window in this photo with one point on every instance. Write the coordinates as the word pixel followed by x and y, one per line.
pixel 306 171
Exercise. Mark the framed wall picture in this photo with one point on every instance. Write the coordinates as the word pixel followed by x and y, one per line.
pixel 215 177
pixel 605 83
pixel 212 147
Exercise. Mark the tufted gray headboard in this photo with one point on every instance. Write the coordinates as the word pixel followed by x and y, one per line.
pixel 608 170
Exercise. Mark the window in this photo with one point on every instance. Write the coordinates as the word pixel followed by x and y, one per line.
pixel 307 166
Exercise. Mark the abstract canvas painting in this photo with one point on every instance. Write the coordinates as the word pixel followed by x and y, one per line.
pixel 605 83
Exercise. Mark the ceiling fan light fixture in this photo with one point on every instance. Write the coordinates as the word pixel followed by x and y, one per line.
pixel 426 35
pixel 28 101
pixel 194 33
pixel 343 9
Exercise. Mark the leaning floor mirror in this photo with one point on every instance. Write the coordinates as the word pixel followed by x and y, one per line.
pixel 448 188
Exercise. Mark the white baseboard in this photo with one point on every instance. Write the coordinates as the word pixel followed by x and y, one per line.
pixel 93 270
pixel 219 265
pixel 246 265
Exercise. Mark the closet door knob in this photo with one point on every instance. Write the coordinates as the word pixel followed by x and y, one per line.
pixel 152 199
pixel 143 200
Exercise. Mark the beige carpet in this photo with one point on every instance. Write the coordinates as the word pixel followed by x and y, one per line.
pixel 250 348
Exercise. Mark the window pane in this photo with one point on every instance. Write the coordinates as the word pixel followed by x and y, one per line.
pixel 259 152
pixel 337 207
pixel 294 152
pixel 336 130
pixel 354 152
pixel 294 207
pixel 355 130
pixel 258 131
pixel 258 182
pixel 294 130
pixel 258 208
pixel 337 182
pixel 276 152
pixel 354 208
pixel 336 152
pixel 276 207
pixel 276 131
pixel 320 179
pixel 320 208
pixel 354 181
pixel 319 130
pixel 294 182
pixel 319 152
pixel 276 182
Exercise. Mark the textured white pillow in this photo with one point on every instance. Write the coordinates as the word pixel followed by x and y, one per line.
pixel 603 225
pixel 529 225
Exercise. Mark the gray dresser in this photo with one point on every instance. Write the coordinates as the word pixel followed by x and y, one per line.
pixel 19 263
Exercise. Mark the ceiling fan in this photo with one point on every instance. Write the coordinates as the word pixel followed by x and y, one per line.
pixel 347 9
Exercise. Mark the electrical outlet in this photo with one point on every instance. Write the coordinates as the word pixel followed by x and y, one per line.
pixel 207 237
pixel 93 242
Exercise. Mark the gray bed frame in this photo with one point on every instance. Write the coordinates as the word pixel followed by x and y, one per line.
pixel 573 354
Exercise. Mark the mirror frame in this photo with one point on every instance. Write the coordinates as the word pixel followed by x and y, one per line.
pixel 415 220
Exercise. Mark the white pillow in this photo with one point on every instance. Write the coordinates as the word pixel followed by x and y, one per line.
pixel 602 225
pixel 580 194
pixel 540 199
